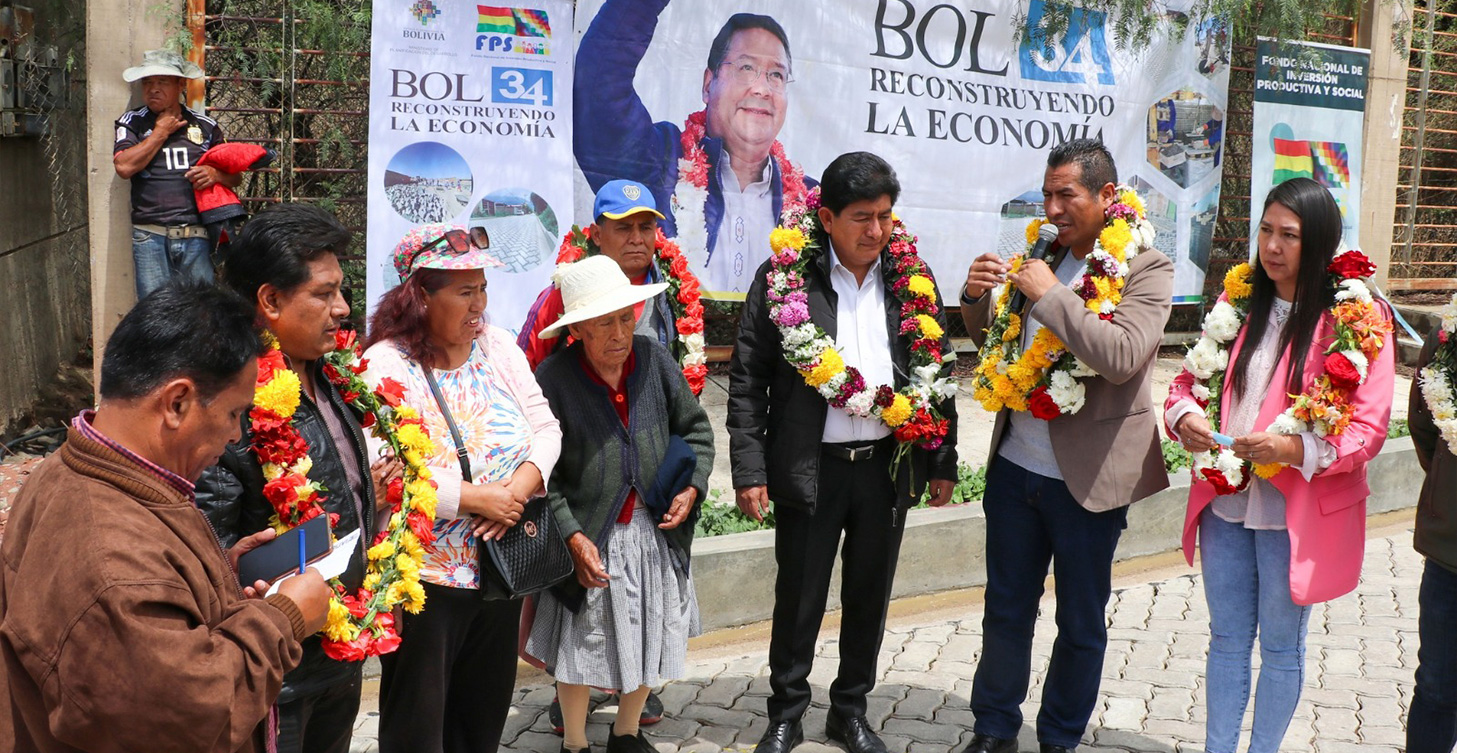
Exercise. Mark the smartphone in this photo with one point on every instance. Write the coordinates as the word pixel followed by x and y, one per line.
pixel 280 556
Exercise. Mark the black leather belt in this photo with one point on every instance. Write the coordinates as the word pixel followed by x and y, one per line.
pixel 855 452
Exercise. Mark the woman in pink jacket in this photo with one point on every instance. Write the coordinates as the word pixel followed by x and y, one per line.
pixel 1278 500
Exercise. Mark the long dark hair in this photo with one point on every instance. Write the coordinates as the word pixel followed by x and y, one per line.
pixel 1320 235
pixel 400 317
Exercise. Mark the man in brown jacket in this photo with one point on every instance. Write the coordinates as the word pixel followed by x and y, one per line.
pixel 1057 491
pixel 122 622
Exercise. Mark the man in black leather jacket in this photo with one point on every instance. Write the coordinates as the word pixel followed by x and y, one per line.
pixel 827 471
pixel 286 261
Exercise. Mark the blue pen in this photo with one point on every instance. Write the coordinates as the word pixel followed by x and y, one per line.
pixel 302 557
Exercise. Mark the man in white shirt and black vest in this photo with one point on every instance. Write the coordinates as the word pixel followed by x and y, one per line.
pixel 827 471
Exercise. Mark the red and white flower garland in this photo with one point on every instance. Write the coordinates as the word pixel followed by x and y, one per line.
pixel 691 193
pixel 684 297
pixel 360 624
pixel 1325 407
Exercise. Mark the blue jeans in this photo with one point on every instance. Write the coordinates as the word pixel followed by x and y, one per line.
pixel 1431 725
pixel 158 259
pixel 1247 584
pixel 1033 520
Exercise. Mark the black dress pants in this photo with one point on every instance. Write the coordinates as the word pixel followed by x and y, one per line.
pixel 448 687
pixel 859 499
pixel 322 722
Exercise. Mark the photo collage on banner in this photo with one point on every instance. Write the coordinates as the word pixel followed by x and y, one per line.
pixel 471 124
pixel 726 135
pixel 1310 109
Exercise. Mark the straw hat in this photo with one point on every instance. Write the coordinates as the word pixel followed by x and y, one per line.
pixel 593 287
pixel 161 63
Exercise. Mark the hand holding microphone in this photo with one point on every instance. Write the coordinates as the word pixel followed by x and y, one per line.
pixel 1035 277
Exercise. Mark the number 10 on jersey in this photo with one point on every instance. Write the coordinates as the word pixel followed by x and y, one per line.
pixel 521 86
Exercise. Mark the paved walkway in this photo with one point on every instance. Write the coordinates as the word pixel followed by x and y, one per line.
pixel 1361 653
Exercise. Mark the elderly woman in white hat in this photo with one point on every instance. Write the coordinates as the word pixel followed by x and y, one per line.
pixel 626 498
pixel 449 685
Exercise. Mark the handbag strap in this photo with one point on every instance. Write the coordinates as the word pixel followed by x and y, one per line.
pixel 460 449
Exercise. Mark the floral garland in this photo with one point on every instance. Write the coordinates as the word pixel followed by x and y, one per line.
pixel 1040 379
pixel 691 193
pixel 911 412
pixel 1439 375
pixel 683 297
pixel 359 624
pixel 1325 407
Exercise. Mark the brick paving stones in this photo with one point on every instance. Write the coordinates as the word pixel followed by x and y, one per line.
pixel 1360 657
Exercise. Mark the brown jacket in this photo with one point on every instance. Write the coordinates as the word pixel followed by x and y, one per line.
pixel 122 626
pixel 1436 532
pixel 1108 452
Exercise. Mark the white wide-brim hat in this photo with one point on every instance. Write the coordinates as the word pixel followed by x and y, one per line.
pixel 593 287
pixel 161 63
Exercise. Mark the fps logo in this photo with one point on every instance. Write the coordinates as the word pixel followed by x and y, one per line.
pixel 1080 57
pixel 524 31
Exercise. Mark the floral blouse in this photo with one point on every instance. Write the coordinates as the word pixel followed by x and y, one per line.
pixel 503 420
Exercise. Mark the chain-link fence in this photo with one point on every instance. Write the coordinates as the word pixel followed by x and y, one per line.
pixel 42 57
pixel 1425 231
pixel 293 76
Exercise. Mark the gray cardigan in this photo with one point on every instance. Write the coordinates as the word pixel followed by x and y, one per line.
pixel 601 459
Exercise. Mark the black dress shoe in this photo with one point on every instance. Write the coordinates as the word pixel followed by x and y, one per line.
pixel 1045 748
pixel 987 744
pixel 629 744
pixel 781 737
pixel 854 732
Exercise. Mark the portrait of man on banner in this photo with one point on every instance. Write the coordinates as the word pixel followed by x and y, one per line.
pixel 720 175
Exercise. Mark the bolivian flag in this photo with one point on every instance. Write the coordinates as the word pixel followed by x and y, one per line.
pixel 520 22
pixel 493 20
pixel 1292 160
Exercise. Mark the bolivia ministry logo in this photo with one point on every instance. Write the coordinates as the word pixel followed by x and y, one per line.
pixel 525 31
pixel 425 11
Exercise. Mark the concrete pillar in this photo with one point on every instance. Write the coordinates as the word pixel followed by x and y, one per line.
pixel 1385 105
pixel 117 33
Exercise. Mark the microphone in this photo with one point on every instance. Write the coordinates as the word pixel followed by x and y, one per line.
pixel 1041 250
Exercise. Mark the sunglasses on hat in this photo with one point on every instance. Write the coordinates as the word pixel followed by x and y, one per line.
pixel 460 241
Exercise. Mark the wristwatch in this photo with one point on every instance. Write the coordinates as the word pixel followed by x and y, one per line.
pixel 968 300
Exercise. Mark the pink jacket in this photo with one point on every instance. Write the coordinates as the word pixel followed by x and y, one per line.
pixel 1326 516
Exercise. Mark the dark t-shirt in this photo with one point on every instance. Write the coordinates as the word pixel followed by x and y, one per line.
pixel 161 192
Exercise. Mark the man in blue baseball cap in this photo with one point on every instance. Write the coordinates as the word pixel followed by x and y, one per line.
pixel 625 231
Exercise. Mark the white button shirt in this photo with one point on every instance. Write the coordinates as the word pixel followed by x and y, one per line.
pixel 743 235
pixel 863 340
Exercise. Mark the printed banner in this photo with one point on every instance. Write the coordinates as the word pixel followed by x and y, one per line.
pixel 470 123
pixel 1310 111
pixel 727 121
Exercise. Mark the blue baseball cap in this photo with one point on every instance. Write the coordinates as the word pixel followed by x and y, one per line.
pixel 620 198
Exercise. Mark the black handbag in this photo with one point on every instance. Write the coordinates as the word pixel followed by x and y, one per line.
pixel 531 556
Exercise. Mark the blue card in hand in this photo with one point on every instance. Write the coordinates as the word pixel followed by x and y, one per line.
pixel 1223 439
